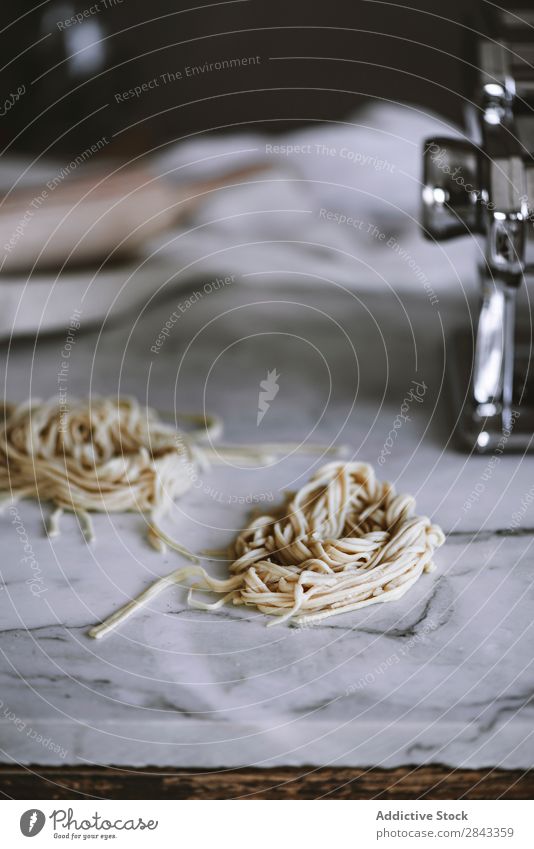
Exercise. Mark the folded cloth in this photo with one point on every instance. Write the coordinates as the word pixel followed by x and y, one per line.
pixel 340 202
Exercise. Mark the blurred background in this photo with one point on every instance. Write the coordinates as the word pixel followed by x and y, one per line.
pixel 315 61
pixel 121 123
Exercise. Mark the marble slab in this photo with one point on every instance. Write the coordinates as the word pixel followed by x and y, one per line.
pixel 444 675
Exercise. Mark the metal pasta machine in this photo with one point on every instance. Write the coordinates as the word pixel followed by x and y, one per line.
pixel 484 187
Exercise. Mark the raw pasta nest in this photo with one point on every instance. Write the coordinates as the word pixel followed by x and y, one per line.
pixel 343 541
pixel 106 455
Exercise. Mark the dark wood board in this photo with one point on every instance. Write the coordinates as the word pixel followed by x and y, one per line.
pixel 424 782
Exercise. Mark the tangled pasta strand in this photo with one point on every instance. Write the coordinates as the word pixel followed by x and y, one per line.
pixel 342 542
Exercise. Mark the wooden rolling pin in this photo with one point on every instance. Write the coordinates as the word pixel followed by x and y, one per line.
pixel 85 220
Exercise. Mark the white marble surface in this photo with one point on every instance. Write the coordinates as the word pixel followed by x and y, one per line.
pixel 445 675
